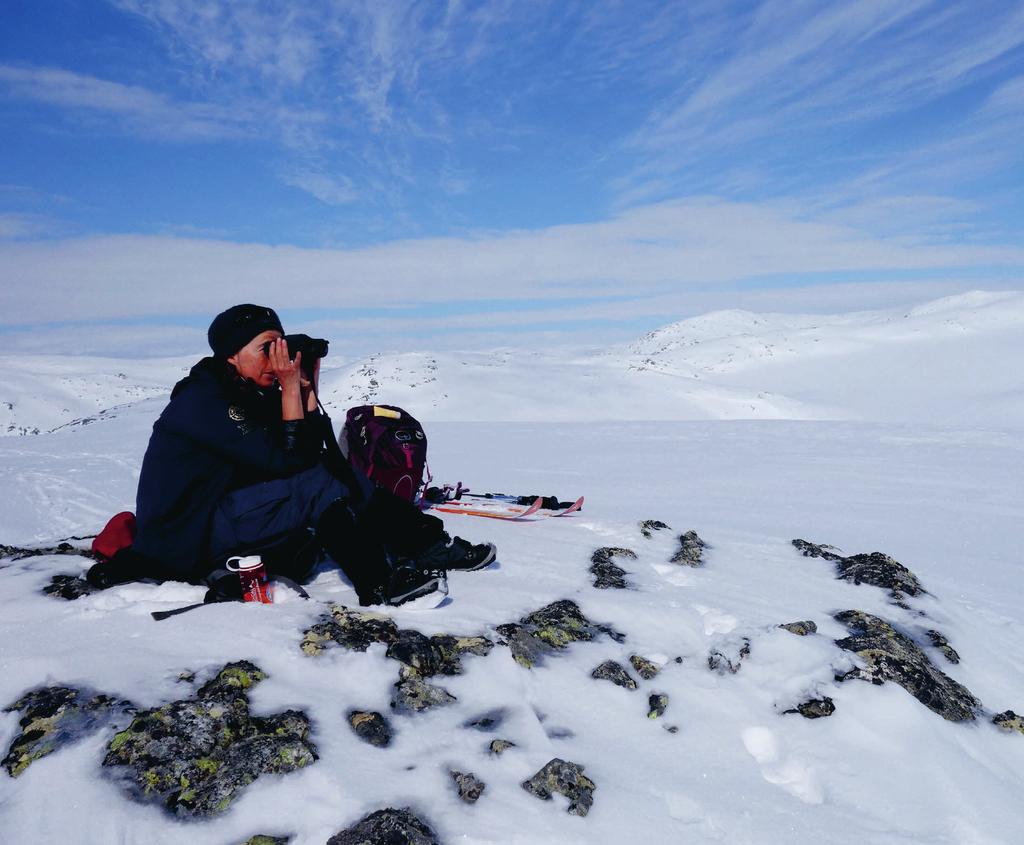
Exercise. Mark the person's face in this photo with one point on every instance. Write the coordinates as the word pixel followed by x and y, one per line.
pixel 252 362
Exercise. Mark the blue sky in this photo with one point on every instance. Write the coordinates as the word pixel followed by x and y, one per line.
pixel 402 174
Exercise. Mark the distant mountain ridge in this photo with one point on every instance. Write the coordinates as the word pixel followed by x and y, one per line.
pixel 950 360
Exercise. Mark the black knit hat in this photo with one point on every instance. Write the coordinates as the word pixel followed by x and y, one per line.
pixel 234 328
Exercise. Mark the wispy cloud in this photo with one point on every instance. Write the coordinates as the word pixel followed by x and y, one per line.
pixel 141 110
pixel 802 76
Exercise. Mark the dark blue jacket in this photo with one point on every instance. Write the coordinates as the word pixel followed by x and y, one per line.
pixel 216 435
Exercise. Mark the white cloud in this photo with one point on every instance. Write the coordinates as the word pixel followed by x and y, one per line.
pixel 142 111
pixel 328 188
pixel 649 251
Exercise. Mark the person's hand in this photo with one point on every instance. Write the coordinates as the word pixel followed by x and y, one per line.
pixel 287 372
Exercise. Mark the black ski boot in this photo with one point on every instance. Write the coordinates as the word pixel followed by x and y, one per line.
pixel 408 583
pixel 455 553
pixel 374 572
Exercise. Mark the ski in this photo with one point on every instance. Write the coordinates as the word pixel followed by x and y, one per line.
pixel 575 506
pixel 502 511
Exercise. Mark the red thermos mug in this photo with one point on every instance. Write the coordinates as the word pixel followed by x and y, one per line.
pixel 253 576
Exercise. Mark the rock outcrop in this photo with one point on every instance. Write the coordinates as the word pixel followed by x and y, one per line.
pixel 68 587
pixel 729 664
pixel 891 656
pixel 193 756
pixel 646 669
pixel 549 630
pixel 1009 721
pixel 616 673
pixel 468 786
pixel 814 708
pixel 566 779
pixel 657 704
pixel 649 526
pixel 607 574
pixel 942 644
pixel 875 568
pixel 691 550
pixel 371 727
pixel 500 746
pixel 54 717
pixel 421 656
pixel 387 827
pixel 801 629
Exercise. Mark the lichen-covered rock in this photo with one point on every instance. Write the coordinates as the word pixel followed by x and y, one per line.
pixel 371 727
pixel 614 672
pixel 194 755
pixel 649 526
pixel 549 630
pixel 646 669
pixel 500 746
pixel 387 827
pixel 876 569
pixel 440 654
pixel 1009 721
pixel 890 656
pixel 607 574
pixel 53 717
pixel 566 779
pixel 469 786
pixel 801 629
pixel 815 708
pixel 942 644
pixel 68 587
pixel 264 839
pixel 691 550
pixel 729 664
pixel 352 629
pixel 657 704
pixel 412 694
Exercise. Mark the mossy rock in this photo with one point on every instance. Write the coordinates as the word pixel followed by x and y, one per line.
pixel 890 656
pixel 54 717
pixel 371 727
pixel 356 630
pixel 874 568
pixel 657 704
pixel 649 526
pixel 801 629
pixel 646 669
pixel 412 694
pixel 1009 721
pixel 194 755
pixel 607 574
pixel 691 550
pixel 440 654
pixel 615 672
pixel 387 827
pixel 565 778
pixel 468 786
pixel 549 630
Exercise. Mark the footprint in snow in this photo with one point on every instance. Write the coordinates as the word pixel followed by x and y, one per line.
pixel 789 773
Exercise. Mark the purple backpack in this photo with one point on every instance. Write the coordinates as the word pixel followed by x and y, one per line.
pixel 388 445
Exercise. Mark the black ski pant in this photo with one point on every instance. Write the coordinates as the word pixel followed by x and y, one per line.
pixel 362 529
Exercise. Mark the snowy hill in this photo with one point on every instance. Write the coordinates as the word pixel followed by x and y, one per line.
pixel 946 361
pixel 721 757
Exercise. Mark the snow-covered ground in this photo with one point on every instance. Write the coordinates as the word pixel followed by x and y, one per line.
pixel 922 460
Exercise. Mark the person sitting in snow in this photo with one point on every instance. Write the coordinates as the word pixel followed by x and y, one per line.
pixel 237 464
